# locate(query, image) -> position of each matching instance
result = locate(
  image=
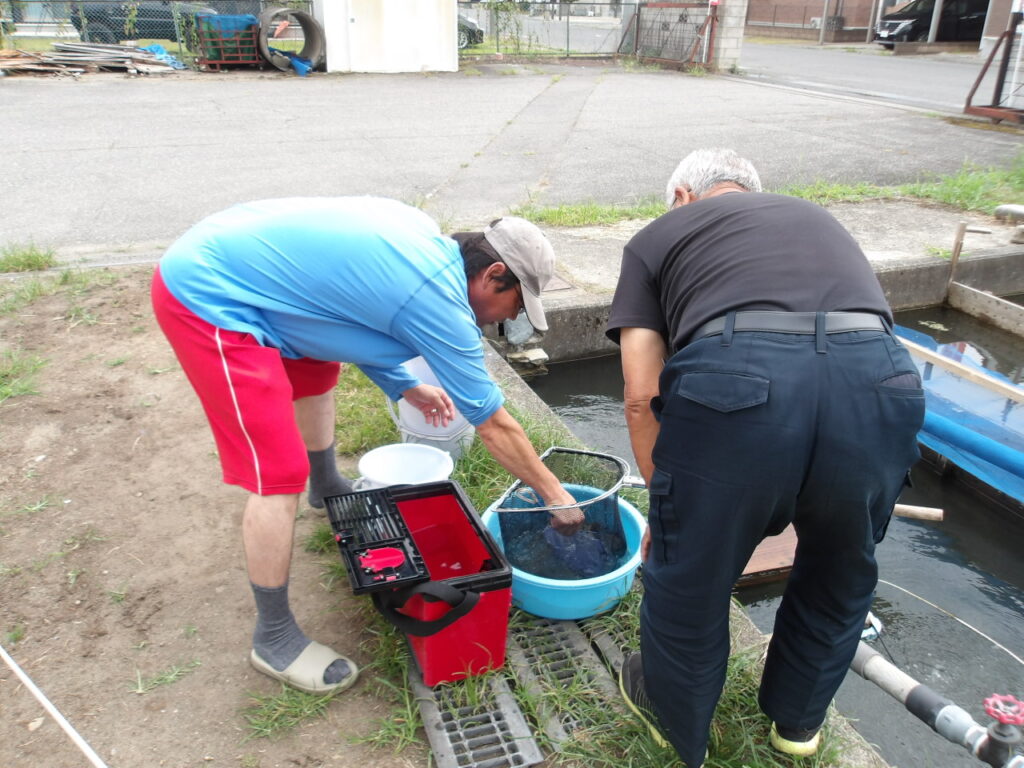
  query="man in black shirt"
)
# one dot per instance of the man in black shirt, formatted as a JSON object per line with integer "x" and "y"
{"x": 764, "y": 387}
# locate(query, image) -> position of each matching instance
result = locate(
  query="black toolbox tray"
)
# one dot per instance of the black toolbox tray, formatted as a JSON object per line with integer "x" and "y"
{"x": 376, "y": 546}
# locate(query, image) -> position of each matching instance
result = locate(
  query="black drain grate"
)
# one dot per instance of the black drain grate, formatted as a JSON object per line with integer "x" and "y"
{"x": 489, "y": 732}
{"x": 553, "y": 661}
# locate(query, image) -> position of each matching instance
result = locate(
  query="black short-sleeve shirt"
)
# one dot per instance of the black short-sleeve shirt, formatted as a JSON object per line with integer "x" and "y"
{"x": 739, "y": 251}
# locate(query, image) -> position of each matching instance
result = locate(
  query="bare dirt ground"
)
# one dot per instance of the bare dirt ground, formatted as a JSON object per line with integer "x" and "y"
{"x": 121, "y": 560}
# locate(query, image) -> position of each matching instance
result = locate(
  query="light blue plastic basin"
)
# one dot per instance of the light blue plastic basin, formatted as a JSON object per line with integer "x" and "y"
{"x": 578, "y": 598}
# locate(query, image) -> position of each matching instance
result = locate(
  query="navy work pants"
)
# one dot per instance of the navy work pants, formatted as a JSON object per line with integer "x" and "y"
{"x": 759, "y": 430}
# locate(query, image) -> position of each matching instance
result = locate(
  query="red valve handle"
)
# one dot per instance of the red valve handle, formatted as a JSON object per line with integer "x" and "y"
{"x": 1006, "y": 709}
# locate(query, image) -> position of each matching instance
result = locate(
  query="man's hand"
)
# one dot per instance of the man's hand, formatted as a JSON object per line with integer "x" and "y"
{"x": 645, "y": 544}
{"x": 567, "y": 521}
{"x": 433, "y": 402}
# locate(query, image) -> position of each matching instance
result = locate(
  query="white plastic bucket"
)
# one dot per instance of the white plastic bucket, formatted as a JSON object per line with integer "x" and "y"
{"x": 403, "y": 464}
{"x": 413, "y": 428}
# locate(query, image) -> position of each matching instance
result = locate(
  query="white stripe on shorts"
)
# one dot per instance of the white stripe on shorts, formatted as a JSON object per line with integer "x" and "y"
{"x": 238, "y": 415}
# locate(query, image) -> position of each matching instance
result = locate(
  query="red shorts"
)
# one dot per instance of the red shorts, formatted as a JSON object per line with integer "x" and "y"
{"x": 247, "y": 391}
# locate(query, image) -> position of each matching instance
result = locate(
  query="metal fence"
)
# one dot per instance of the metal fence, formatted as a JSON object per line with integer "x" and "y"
{"x": 681, "y": 33}
{"x": 113, "y": 21}
{"x": 1004, "y": 74}
{"x": 576, "y": 29}
{"x": 676, "y": 32}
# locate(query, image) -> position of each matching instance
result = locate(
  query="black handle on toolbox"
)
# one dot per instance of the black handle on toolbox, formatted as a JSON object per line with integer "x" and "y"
{"x": 461, "y": 603}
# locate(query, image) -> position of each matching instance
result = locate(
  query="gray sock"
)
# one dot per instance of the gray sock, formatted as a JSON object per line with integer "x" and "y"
{"x": 278, "y": 639}
{"x": 324, "y": 478}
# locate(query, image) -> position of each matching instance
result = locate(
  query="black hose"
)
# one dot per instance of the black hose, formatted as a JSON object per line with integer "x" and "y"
{"x": 314, "y": 41}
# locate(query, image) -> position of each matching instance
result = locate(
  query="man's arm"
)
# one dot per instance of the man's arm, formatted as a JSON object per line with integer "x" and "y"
{"x": 509, "y": 445}
{"x": 643, "y": 357}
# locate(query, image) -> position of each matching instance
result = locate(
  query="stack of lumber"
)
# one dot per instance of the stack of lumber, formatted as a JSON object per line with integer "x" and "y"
{"x": 75, "y": 58}
{"x": 25, "y": 61}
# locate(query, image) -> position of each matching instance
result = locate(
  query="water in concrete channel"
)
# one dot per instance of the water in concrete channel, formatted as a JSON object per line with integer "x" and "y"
{"x": 950, "y": 593}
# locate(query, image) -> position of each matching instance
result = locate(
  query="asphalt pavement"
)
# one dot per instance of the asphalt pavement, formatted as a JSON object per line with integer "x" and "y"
{"x": 108, "y": 167}
{"x": 937, "y": 82}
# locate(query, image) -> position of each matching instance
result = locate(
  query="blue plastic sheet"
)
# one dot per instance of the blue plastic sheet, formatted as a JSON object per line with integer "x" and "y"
{"x": 229, "y": 23}
{"x": 300, "y": 65}
{"x": 973, "y": 426}
{"x": 160, "y": 52}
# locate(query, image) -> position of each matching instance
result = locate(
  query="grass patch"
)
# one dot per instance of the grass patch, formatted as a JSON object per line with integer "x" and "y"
{"x": 972, "y": 188}
{"x": 362, "y": 418}
{"x": 320, "y": 541}
{"x": 15, "y": 295}
{"x": 15, "y": 635}
{"x": 824, "y": 193}
{"x": 170, "y": 675}
{"x": 17, "y": 371}
{"x": 30, "y": 508}
{"x": 271, "y": 716}
{"x": 591, "y": 214}
{"x": 26, "y": 258}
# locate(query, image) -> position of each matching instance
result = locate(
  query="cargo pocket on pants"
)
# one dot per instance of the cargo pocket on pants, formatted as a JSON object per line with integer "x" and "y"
{"x": 883, "y": 526}
{"x": 662, "y": 518}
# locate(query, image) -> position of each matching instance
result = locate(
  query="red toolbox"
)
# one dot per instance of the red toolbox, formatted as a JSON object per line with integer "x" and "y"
{"x": 433, "y": 571}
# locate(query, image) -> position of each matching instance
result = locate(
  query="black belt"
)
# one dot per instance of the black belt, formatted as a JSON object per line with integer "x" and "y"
{"x": 793, "y": 322}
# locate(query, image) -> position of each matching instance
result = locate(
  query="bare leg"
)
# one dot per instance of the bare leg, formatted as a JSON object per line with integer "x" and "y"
{"x": 315, "y": 417}
{"x": 267, "y": 531}
{"x": 267, "y": 537}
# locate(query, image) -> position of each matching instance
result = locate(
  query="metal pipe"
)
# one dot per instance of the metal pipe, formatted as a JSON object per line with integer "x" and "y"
{"x": 939, "y": 713}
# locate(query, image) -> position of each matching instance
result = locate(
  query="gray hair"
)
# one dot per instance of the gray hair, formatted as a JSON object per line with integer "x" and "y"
{"x": 703, "y": 169}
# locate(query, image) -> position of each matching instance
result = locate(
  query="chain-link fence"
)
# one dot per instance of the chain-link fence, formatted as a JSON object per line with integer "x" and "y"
{"x": 676, "y": 32}
{"x": 680, "y": 32}
{"x": 543, "y": 29}
{"x": 115, "y": 21}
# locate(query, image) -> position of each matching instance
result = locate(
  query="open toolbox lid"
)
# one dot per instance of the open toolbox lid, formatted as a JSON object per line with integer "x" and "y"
{"x": 375, "y": 543}
{"x": 403, "y": 535}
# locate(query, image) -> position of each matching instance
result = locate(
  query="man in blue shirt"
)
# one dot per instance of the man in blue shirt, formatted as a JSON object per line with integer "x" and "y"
{"x": 261, "y": 303}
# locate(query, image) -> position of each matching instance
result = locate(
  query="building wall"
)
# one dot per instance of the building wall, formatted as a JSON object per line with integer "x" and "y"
{"x": 840, "y": 14}
{"x": 389, "y": 35}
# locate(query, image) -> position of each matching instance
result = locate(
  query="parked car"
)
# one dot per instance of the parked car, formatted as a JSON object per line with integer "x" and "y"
{"x": 470, "y": 33}
{"x": 960, "y": 20}
{"x": 112, "y": 22}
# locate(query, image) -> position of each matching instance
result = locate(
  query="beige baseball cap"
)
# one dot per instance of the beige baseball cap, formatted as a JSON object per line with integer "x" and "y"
{"x": 527, "y": 252}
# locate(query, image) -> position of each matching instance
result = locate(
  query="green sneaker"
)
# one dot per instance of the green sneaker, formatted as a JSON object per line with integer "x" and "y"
{"x": 796, "y": 741}
{"x": 631, "y": 685}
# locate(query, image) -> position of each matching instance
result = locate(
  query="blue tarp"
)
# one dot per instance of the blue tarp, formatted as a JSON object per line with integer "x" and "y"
{"x": 299, "y": 64}
{"x": 164, "y": 56}
{"x": 228, "y": 23}
{"x": 976, "y": 428}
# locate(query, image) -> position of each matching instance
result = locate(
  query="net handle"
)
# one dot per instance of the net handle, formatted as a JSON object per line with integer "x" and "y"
{"x": 623, "y": 471}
